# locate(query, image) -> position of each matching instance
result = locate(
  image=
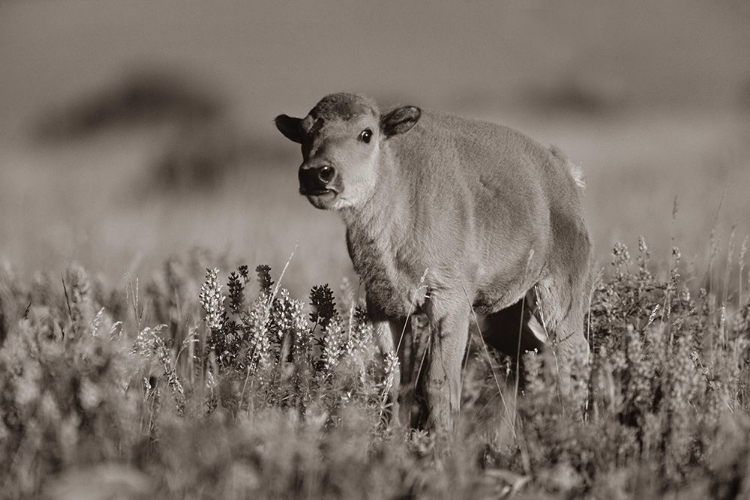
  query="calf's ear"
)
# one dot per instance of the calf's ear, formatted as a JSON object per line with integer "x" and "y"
{"x": 400, "y": 120}
{"x": 289, "y": 126}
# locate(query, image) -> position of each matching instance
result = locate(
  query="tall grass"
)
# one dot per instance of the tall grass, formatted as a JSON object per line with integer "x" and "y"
{"x": 191, "y": 389}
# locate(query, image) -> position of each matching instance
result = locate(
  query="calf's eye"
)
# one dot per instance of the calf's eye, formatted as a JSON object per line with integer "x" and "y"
{"x": 365, "y": 136}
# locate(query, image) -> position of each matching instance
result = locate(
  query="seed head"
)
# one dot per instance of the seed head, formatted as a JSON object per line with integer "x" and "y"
{"x": 212, "y": 300}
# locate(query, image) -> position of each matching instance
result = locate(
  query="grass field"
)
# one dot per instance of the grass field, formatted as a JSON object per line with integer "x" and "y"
{"x": 126, "y": 378}
{"x": 177, "y": 388}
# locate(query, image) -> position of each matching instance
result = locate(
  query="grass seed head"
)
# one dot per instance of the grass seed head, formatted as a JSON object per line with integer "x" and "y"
{"x": 212, "y": 300}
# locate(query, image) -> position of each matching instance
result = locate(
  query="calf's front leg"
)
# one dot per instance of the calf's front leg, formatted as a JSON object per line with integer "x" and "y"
{"x": 449, "y": 325}
{"x": 388, "y": 335}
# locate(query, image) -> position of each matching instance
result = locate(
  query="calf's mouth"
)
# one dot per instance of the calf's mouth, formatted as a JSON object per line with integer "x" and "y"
{"x": 320, "y": 198}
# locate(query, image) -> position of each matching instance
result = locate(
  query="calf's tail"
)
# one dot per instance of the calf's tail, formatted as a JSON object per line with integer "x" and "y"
{"x": 575, "y": 170}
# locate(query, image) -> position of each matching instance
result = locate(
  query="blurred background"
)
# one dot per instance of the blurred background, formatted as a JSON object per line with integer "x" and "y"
{"x": 132, "y": 131}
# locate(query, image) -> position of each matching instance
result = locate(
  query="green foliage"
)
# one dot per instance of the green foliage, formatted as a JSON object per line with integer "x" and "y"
{"x": 194, "y": 390}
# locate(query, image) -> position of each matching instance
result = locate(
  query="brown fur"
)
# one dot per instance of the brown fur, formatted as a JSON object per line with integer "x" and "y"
{"x": 487, "y": 212}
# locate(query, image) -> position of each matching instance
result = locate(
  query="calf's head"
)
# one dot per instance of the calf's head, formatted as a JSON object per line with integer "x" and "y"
{"x": 342, "y": 139}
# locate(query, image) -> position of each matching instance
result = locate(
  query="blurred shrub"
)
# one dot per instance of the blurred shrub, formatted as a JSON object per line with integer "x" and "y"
{"x": 743, "y": 97}
{"x": 202, "y": 155}
{"x": 64, "y": 398}
{"x": 143, "y": 97}
{"x": 202, "y": 146}
{"x": 579, "y": 94}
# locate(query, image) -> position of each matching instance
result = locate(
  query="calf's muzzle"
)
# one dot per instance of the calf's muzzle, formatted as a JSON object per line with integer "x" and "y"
{"x": 313, "y": 180}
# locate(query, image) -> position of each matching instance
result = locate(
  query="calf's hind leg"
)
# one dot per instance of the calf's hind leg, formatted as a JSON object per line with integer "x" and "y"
{"x": 563, "y": 301}
{"x": 563, "y": 293}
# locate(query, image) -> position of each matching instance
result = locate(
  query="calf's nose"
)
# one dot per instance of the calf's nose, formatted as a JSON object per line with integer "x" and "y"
{"x": 316, "y": 179}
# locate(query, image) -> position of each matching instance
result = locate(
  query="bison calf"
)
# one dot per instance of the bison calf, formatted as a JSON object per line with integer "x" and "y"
{"x": 487, "y": 212}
